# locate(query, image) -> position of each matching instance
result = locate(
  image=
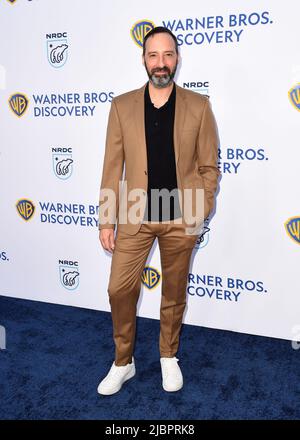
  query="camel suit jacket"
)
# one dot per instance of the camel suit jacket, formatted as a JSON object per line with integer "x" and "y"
{"x": 196, "y": 156}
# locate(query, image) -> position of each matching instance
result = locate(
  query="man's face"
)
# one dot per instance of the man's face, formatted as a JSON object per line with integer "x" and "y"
{"x": 160, "y": 59}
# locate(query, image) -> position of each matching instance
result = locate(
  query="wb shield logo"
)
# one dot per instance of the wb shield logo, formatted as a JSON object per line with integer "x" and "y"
{"x": 292, "y": 227}
{"x": 18, "y": 103}
{"x": 140, "y": 29}
{"x": 57, "y": 52}
{"x": 69, "y": 277}
{"x": 25, "y": 209}
{"x": 62, "y": 165}
{"x": 150, "y": 277}
{"x": 294, "y": 95}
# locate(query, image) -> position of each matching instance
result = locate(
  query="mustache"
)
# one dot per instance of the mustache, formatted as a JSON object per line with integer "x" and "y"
{"x": 163, "y": 69}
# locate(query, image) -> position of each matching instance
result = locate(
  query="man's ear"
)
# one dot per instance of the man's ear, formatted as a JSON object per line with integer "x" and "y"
{"x": 143, "y": 60}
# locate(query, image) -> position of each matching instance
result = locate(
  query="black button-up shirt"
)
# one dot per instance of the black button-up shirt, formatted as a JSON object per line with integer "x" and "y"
{"x": 159, "y": 125}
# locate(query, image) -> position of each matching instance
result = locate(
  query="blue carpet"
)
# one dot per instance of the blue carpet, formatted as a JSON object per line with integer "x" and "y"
{"x": 55, "y": 357}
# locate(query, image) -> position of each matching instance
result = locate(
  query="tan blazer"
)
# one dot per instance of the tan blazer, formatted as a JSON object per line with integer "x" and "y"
{"x": 195, "y": 146}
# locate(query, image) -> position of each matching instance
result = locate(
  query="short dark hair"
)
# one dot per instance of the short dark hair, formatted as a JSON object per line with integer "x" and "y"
{"x": 159, "y": 30}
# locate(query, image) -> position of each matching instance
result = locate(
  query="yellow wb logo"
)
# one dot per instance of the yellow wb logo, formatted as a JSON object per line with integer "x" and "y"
{"x": 150, "y": 277}
{"x": 25, "y": 208}
{"x": 294, "y": 95}
{"x": 18, "y": 103}
{"x": 139, "y": 31}
{"x": 292, "y": 227}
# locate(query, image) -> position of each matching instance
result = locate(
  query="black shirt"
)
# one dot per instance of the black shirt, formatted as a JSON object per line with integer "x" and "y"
{"x": 159, "y": 125}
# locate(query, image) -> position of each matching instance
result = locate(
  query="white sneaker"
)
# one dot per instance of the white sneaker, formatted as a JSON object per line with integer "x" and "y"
{"x": 115, "y": 378}
{"x": 171, "y": 374}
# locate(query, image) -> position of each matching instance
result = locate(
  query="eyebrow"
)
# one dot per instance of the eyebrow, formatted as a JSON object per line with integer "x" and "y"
{"x": 165, "y": 51}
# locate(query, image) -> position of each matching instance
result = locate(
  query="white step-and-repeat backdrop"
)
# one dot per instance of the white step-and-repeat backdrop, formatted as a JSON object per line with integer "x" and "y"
{"x": 62, "y": 61}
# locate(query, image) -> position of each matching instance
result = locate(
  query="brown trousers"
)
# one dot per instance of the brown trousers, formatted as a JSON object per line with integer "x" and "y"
{"x": 128, "y": 262}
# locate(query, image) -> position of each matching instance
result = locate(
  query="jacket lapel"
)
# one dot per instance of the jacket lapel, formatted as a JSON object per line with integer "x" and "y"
{"x": 180, "y": 111}
{"x": 139, "y": 118}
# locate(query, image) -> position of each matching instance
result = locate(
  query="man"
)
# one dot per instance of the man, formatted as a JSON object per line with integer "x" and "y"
{"x": 167, "y": 138}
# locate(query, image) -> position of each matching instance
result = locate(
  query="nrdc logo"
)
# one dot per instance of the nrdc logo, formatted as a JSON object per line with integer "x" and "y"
{"x": 292, "y": 227}
{"x": 25, "y": 208}
{"x": 201, "y": 87}
{"x": 69, "y": 274}
{"x": 57, "y": 49}
{"x": 150, "y": 277}
{"x": 139, "y": 31}
{"x": 294, "y": 95}
{"x": 18, "y": 103}
{"x": 62, "y": 162}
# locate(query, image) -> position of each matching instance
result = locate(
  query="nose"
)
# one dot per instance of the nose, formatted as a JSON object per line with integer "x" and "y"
{"x": 160, "y": 62}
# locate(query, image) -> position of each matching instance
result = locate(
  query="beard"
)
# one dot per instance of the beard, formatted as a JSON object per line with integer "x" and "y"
{"x": 162, "y": 80}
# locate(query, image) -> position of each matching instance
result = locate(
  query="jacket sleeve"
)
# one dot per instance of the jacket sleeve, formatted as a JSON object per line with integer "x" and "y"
{"x": 207, "y": 156}
{"x": 112, "y": 171}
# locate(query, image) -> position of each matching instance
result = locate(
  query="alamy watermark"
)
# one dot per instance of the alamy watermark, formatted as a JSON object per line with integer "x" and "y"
{"x": 130, "y": 206}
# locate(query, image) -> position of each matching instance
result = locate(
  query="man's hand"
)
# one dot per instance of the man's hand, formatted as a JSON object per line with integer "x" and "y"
{"x": 107, "y": 239}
